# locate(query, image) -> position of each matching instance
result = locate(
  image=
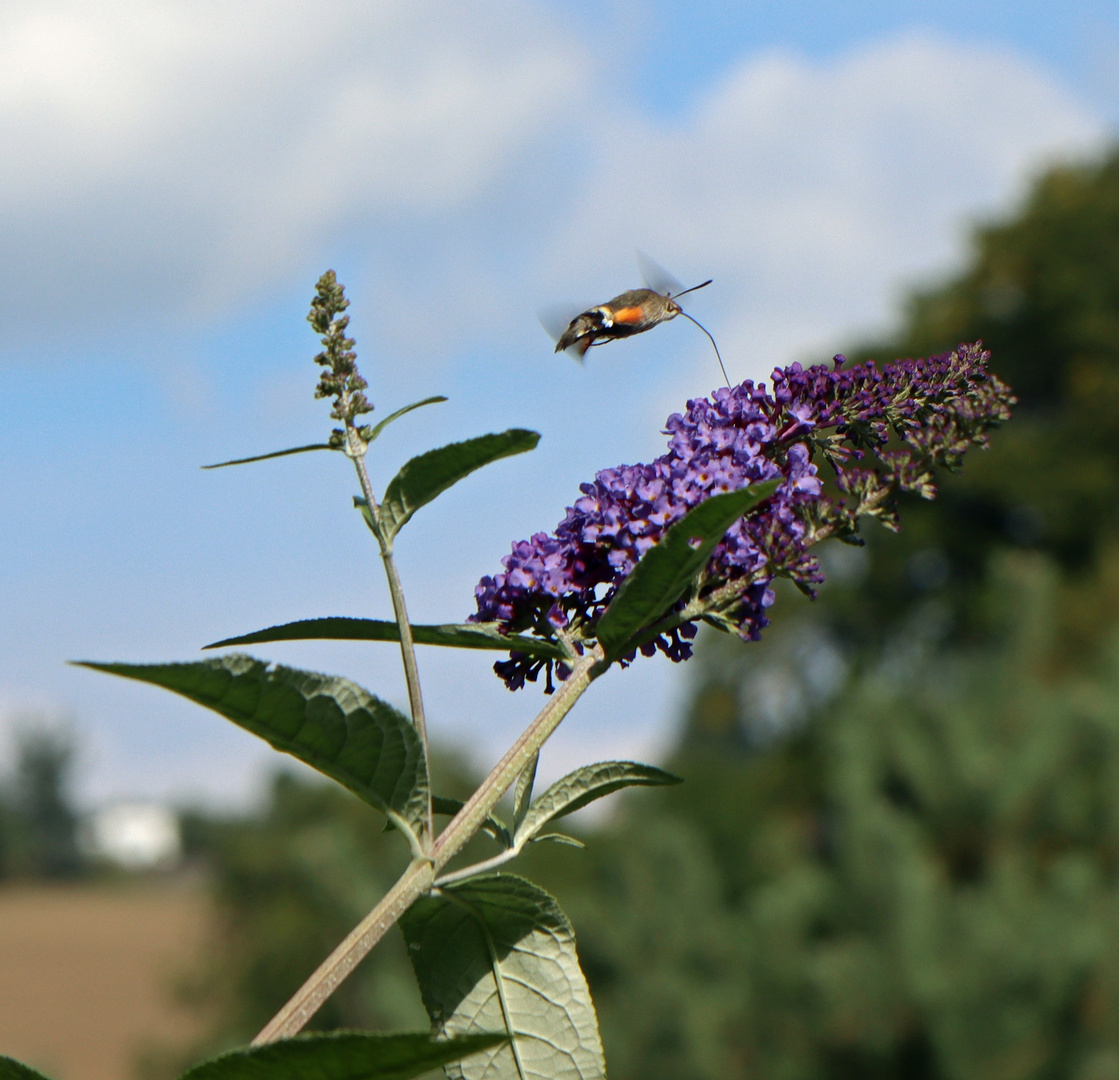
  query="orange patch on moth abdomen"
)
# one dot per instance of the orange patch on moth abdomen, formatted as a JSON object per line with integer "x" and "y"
{"x": 629, "y": 315}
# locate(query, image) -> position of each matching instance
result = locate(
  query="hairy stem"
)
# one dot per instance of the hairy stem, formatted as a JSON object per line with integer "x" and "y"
{"x": 290, "y": 1020}
{"x": 477, "y": 868}
{"x": 357, "y": 448}
{"x": 418, "y": 878}
{"x": 478, "y": 807}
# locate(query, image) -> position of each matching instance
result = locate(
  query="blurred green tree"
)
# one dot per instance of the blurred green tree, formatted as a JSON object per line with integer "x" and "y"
{"x": 288, "y": 883}
{"x": 920, "y": 882}
{"x": 38, "y": 822}
{"x": 1042, "y": 292}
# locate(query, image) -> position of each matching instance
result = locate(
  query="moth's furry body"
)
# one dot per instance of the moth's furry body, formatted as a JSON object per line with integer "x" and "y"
{"x": 630, "y": 313}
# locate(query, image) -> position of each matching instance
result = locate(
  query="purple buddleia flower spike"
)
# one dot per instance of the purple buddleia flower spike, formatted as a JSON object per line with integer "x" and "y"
{"x": 897, "y": 423}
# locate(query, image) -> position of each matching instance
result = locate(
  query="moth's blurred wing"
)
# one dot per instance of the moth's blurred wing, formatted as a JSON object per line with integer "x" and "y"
{"x": 556, "y": 319}
{"x": 657, "y": 277}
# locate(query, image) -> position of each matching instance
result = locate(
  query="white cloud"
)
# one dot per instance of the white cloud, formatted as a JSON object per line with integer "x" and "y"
{"x": 808, "y": 190}
{"x": 176, "y": 157}
{"x": 164, "y": 145}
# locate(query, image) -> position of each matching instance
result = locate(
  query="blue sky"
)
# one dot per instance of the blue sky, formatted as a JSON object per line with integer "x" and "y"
{"x": 178, "y": 176}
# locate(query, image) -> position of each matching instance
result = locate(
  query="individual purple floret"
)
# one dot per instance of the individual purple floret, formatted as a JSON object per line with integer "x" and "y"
{"x": 897, "y": 422}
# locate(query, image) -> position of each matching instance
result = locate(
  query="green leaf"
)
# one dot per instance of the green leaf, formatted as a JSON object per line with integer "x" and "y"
{"x": 329, "y": 723}
{"x": 373, "y": 433}
{"x": 430, "y": 474}
{"x": 275, "y": 453}
{"x": 366, "y": 514}
{"x": 558, "y": 838}
{"x": 492, "y": 826}
{"x": 378, "y": 428}
{"x": 583, "y": 786}
{"x": 343, "y": 1055}
{"x": 669, "y": 567}
{"x": 455, "y": 635}
{"x": 496, "y": 952}
{"x": 10, "y": 1069}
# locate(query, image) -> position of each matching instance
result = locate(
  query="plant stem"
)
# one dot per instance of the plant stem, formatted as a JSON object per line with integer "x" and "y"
{"x": 290, "y": 1020}
{"x": 407, "y": 645}
{"x": 477, "y": 868}
{"x": 417, "y": 879}
{"x": 478, "y": 807}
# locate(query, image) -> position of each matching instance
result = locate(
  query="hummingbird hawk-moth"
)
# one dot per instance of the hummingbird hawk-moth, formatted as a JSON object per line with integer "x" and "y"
{"x": 630, "y": 313}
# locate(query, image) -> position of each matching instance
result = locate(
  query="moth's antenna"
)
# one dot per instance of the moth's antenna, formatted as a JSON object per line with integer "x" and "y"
{"x": 709, "y": 337}
{"x": 673, "y": 296}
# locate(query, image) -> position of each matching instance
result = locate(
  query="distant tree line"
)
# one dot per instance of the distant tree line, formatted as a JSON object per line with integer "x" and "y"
{"x": 38, "y": 822}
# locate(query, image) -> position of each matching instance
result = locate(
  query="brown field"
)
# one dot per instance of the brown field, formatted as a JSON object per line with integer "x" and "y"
{"x": 86, "y": 970}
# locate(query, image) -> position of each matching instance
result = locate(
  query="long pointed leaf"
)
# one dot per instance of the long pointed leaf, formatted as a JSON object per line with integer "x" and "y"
{"x": 275, "y": 453}
{"x": 492, "y": 826}
{"x": 10, "y": 1069}
{"x": 497, "y": 953}
{"x": 669, "y": 567}
{"x": 329, "y": 723}
{"x": 430, "y": 474}
{"x": 583, "y": 786}
{"x": 454, "y": 635}
{"x": 378, "y": 428}
{"x": 362, "y": 506}
{"x": 343, "y": 1055}
{"x": 558, "y": 838}
{"x": 374, "y": 432}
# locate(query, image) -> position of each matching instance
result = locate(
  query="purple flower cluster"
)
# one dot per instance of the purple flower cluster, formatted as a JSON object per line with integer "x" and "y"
{"x": 897, "y": 422}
